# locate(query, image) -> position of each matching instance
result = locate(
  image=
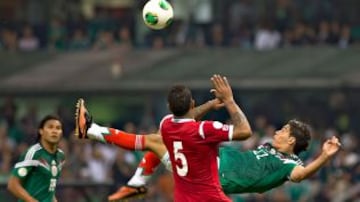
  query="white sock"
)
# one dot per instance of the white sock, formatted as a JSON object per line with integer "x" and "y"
{"x": 96, "y": 132}
{"x": 166, "y": 161}
{"x": 138, "y": 179}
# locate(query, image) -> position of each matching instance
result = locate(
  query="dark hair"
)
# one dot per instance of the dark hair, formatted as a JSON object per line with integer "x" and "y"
{"x": 43, "y": 122}
{"x": 301, "y": 132}
{"x": 179, "y": 100}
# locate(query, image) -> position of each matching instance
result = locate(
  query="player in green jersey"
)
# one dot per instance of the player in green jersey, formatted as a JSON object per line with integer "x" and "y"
{"x": 35, "y": 176}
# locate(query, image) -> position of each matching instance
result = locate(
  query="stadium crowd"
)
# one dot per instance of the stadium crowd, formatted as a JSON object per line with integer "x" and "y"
{"x": 88, "y": 162}
{"x": 260, "y": 25}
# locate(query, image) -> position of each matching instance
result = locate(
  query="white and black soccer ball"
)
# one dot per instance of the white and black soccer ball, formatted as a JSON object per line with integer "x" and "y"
{"x": 158, "y": 14}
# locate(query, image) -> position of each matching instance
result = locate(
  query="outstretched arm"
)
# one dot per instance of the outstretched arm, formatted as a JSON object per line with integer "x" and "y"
{"x": 223, "y": 92}
{"x": 330, "y": 147}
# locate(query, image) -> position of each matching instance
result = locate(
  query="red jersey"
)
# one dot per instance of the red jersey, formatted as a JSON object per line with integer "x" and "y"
{"x": 193, "y": 150}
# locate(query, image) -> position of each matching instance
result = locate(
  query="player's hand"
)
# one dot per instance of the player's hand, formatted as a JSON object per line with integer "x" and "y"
{"x": 331, "y": 146}
{"x": 217, "y": 104}
{"x": 222, "y": 89}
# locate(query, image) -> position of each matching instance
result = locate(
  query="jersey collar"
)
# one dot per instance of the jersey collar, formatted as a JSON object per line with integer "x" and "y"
{"x": 182, "y": 120}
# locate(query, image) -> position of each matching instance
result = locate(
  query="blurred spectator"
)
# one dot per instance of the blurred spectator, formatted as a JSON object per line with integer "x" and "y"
{"x": 324, "y": 32}
{"x": 123, "y": 168}
{"x": 334, "y": 32}
{"x": 266, "y": 38}
{"x": 79, "y": 40}
{"x": 96, "y": 166}
{"x": 241, "y": 13}
{"x": 279, "y": 195}
{"x": 303, "y": 35}
{"x": 284, "y": 14}
{"x": 165, "y": 184}
{"x": 9, "y": 113}
{"x": 77, "y": 161}
{"x": 9, "y": 39}
{"x": 202, "y": 19}
{"x": 130, "y": 127}
{"x": 300, "y": 192}
{"x": 217, "y": 36}
{"x": 242, "y": 38}
{"x": 57, "y": 35}
{"x": 158, "y": 43}
{"x": 105, "y": 40}
{"x": 67, "y": 118}
{"x": 345, "y": 36}
{"x": 6, "y": 148}
{"x": 28, "y": 41}
{"x": 124, "y": 38}
{"x": 288, "y": 38}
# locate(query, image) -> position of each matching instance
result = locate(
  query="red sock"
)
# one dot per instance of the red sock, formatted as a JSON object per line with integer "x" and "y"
{"x": 125, "y": 140}
{"x": 149, "y": 163}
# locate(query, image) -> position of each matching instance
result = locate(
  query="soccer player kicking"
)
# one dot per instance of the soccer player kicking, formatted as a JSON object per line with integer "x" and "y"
{"x": 258, "y": 170}
{"x": 35, "y": 176}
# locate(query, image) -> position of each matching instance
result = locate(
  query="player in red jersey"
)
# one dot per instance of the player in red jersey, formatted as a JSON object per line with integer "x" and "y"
{"x": 193, "y": 145}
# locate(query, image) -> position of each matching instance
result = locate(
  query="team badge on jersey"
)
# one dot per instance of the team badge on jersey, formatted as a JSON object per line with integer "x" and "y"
{"x": 54, "y": 169}
{"x": 217, "y": 125}
{"x": 22, "y": 172}
{"x": 272, "y": 151}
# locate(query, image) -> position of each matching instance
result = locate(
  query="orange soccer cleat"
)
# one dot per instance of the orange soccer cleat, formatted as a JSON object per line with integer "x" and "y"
{"x": 127, "y": 192}
{"x": 83, "y": 119}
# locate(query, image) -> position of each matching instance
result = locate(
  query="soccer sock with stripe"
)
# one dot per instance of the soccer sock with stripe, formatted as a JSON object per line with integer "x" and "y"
{"x": 145, "y": 169}
{"x": 120, "y": 138}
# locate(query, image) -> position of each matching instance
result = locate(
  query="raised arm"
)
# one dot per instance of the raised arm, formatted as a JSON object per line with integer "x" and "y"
{"x": 223, "y": 92}
{"x": 15, "y": 187}
{"x": 203, "y": 109}
{"x": 330, "y": 147}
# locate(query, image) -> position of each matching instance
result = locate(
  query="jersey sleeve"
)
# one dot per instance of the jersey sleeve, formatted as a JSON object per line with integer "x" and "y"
{"x": 25, "y": 165}
{"x": 288, "y": 166}
{"x": 215, "y": 131}
{"x": 169, "y": 116}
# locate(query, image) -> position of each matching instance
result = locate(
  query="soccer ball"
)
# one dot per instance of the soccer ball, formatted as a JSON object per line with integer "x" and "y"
{"x": 158, "y": 14}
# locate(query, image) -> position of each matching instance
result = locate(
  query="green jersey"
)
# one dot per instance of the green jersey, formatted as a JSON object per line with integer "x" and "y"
{"x": 39, "y": 171}
{"x": 256, "y": 170}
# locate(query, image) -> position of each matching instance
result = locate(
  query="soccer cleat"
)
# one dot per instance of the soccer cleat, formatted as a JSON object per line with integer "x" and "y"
{"x": 127, "y": 192}
{"x": 83, "y": 119}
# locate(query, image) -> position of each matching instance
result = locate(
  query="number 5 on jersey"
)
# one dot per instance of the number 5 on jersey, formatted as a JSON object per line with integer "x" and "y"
{"x": 183, "y": 170}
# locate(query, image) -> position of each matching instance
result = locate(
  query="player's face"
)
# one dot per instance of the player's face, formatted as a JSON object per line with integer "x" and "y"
{"x": 282, "y": 138}
{"x": 51, "y": 132}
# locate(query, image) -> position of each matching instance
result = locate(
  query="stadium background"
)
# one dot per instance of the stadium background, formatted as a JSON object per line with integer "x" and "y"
{"x": 285, "y": 59}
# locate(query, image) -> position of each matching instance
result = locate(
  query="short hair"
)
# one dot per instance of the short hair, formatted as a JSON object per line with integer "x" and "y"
{"x": 179, "y": 100}
{"x": 301, "y": 132}
{"x": 43, "y": 122}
